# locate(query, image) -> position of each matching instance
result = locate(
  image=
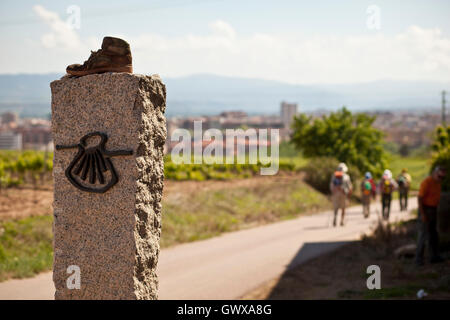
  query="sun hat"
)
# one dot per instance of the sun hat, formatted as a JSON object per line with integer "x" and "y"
{"x": 342, "y": 167}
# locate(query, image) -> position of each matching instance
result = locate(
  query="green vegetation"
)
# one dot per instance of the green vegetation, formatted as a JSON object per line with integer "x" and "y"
{"x": 292, "y": 164}
{"x": 393, "y": 292}
{"x": 441, "y": 155}
{"x": 442, "y": 158}
{"x": 441, "y": 139}
{"x": 201, "y": 172}
{"x": 418, "y": 168}
{"x": 406, "y": 291}
{"x": 345, "y": 136}
{"x": 25, "y": 246}
{"x": 188, "y": 217}
{"x": 288, "y": 150}
{"x": 17, "y": 167}
{"x": 319, "y": 171}
{"x": 32, "y": 167}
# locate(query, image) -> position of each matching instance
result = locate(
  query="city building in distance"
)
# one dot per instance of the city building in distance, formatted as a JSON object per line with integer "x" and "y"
{"x": 25, "y": 134}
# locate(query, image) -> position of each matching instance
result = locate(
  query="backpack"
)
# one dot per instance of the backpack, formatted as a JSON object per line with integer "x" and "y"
{"x": 401, "y": 181}
{"x": 386, "y": 186}
{"x": 338, "y": 179}
{"x": 367, "y": 187}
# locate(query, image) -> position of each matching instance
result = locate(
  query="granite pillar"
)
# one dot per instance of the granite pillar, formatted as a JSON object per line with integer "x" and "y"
{"x": 109, "y": 131}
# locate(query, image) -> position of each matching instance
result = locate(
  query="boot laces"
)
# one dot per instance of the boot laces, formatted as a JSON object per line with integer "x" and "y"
{"x": 91, "y": 58}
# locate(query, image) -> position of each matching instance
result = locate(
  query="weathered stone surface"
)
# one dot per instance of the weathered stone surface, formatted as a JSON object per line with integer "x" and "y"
{"x": 113, "y": 236}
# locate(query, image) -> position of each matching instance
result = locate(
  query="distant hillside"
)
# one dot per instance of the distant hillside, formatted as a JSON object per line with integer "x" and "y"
{"x": 210, "y": 94}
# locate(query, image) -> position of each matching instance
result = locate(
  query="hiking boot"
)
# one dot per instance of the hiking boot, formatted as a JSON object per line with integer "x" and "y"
{"x": 114, "y": 56}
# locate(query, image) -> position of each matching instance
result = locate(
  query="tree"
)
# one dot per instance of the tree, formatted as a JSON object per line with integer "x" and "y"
{"x": 441, "y": 139}
{"x": 441, "y": 154}
{"x": 442, "y": 159}
{"x": 348, "y": 137}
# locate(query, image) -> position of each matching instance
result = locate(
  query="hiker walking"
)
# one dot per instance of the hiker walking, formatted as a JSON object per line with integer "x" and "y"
{"x": 429, "y": 196}
{"x": 341, "y": 188}
{"x": 386, "y": 186}
{"x": 368, "y": 191}
{"x": 403, "y": 181}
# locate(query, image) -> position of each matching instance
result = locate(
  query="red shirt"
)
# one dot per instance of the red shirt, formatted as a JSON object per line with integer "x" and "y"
{"x": 430, "y": 191}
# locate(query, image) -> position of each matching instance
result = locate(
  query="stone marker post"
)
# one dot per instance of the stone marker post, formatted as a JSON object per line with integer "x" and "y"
{"x": 109, "y": 131}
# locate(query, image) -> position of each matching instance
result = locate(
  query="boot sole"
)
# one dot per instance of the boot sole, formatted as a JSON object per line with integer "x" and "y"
{"x": 128, "y": 69}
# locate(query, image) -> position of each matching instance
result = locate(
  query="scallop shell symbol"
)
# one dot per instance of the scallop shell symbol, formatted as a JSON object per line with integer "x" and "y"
{"x": 92, "y": 164}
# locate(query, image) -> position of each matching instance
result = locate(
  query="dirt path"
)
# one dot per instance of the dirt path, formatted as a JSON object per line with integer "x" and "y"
{"x": 19, "y": 203}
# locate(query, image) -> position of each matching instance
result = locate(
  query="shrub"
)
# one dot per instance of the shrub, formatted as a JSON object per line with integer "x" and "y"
{"x": 195, "y": 175}
{"x": 349, "y": 137}
{"x": 442, "y": 158}
{"x": 319, "y": 170}
{"x": 441, "y": 139}
{"x": 286, "y": 166}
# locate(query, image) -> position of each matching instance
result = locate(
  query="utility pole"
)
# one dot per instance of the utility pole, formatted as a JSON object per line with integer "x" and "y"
{"x": 444, "y": 123}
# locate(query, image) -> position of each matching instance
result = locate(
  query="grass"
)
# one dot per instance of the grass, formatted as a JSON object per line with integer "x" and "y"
{"x": 298, "y": 162}
{"x": 209, "y": 213}
{"x": 395, "y": 292}
{"x": 204, "y": 171}
{"x": 25, "y": 246}
{"x": 392, "y": 292}
{"x": 418, "y": 168}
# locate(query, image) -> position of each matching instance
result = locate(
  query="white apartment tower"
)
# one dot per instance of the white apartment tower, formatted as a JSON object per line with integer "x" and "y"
{"x": 288, "y": 111}
{"x": 10, "y": 140}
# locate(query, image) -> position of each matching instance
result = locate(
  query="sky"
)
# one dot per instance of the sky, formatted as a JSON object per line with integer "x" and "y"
{"x": 299, "y": 42}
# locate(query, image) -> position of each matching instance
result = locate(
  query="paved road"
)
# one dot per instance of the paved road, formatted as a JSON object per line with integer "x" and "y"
{"x": 228, "y": 266}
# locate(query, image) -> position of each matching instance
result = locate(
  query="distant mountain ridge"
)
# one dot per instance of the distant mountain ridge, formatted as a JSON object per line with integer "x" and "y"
{"x": 207, "y": 94}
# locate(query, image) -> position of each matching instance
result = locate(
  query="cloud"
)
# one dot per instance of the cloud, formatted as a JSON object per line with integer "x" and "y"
{"x": 61, "y": 35}
{"x": 223, "y": 28}
{"x": 414, "y": 54}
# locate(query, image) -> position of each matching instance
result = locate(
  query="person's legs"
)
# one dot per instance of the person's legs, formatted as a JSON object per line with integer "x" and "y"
{"x": 364, "y": 204}
{"x": 336, "y": 207}
{"x": 343, "y": 204}
{"x": 389, "y": 198}
{"x": 384, "y": 203}
{"x": 365, "y": 210}
{"x": 401, "y": 196}
{"x": 366, "y": 201}
{"x": 343, "y": 215}
{"x": 433, "y": 236}
{"x": 406, "y": 198}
